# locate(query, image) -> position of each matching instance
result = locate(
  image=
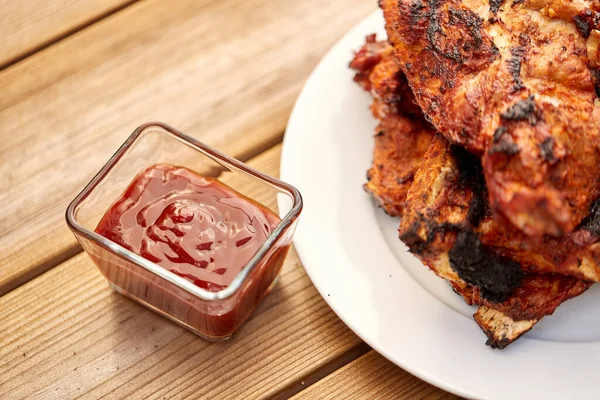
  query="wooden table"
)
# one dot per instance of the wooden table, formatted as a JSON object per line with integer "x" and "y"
{"x": 76, "y": 77}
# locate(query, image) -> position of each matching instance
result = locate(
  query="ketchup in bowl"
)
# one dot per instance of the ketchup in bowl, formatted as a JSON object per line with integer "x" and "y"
{"x": 185, "y": 246}
{"x": 194, "y": 226}
{"x": 199, "y": 229}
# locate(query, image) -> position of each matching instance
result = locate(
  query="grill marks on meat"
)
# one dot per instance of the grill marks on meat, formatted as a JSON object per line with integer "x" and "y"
{"x": 453, "y": 33}
{"x": 596, "y": 77}
{"x": 449, "y": 45}
{"x": 528, "y": 72}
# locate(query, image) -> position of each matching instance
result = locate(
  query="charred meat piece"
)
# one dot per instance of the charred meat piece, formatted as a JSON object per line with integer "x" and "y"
{"x": 447, "y": 224}
{"x": 515, "y": 83}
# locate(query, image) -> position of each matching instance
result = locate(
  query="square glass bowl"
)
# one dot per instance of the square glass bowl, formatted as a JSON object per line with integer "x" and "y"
{"x": 212, "y": 315}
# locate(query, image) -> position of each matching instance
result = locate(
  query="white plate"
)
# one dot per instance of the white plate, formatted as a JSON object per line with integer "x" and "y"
{"x": 351, "y": 253}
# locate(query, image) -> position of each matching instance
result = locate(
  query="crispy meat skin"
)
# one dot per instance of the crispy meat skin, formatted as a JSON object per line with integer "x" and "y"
{"x": 402, "y": 135}
{"x": 399, "y": 145}
{"x": 443, "y": 203}
{"x": 515, "y": 85}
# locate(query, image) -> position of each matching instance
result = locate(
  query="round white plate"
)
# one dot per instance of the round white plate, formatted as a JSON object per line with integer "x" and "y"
{"x": 351, "y": 252}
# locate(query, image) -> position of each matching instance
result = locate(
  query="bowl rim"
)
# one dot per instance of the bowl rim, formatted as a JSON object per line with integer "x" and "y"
{"x": 229, "y": 162}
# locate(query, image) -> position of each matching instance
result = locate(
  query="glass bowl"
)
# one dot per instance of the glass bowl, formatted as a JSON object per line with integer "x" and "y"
{"x": 212, "y": 315}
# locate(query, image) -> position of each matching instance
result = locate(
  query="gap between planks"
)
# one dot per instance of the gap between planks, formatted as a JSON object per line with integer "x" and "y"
{"x": 63, "y": 35}
{"x": 74, "y": 250}
{"x": 323, "y": 372}
{"x": 371, "y": 376}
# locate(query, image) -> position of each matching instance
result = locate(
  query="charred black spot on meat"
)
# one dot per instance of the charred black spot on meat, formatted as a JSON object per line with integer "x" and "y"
{"x": 514, "y": 65}
{"x": 583, "y": 25}
{"x": 419, "y": 246}
{"x": 495, "y": 6}
{"x": 497, "y": 344}
{"x": 496, "y": 277}
{"x": 411, "y": 238}
{"x": 596, "y": 78}
{"x": 592, "y": 222}
{"x": 471, "y": 177}
{"x": 585, "y": 21}
{"x": 522, "y": 110}
{"x": 478, "y": 209}
{"x": 547, "y": 149}
{"x": 414, "y": 241}
{"x": 505, "y": 146}
{"x": 501, "y": 130}
{"x": 468, "y": 166}
{"x": 380, "y": 133}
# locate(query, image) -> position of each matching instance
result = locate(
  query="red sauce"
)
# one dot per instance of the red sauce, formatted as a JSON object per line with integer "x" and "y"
{"x": 196, "y": 227}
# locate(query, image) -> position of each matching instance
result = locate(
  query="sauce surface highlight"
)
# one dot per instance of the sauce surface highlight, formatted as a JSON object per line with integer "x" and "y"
{"x": 196, "y": 227}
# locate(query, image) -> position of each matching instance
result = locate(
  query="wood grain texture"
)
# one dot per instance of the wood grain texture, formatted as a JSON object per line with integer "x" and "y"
{"x": 27, "y": 25}
{"x": 66, "y": 334}
{"x": 372, "y": 377}
{"x": 226, "y": 72}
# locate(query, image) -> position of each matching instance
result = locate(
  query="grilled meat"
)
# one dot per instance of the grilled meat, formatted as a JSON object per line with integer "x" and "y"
{"x": 515, "y": 83}
{"x": 447, "y": 224}
{"x": 402, "y": 135}
{"x": 399, "y": 146}
{"x": 447, "y": 220}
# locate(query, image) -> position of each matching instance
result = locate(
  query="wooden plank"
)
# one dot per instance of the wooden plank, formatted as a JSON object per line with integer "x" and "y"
{"x": 28, "y": 25}
{"x": 66, "y": 334}
{"x": 226, "y": 72}
{"x": 372, "y": 377}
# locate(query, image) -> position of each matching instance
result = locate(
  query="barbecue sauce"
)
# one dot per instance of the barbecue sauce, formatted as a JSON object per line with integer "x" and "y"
{"x": 193, "y": 226}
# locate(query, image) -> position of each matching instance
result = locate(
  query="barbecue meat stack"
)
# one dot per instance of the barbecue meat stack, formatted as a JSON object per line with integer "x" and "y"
{"x": 488, "y": 148}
